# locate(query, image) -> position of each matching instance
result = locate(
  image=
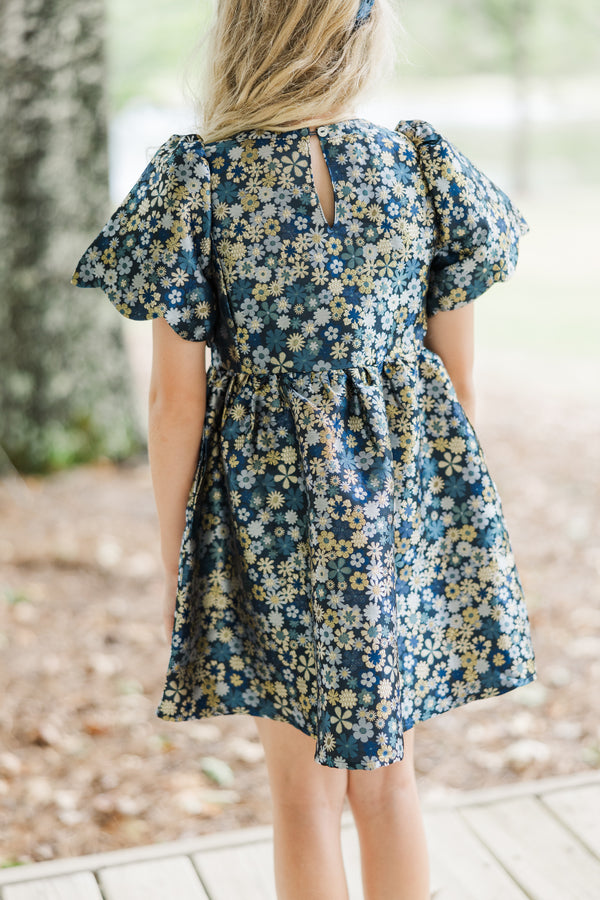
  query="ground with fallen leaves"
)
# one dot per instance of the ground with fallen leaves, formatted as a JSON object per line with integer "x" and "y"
{"x": 86, "y": 766}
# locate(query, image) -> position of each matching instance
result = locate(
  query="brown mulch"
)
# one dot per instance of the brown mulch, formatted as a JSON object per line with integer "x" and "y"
{"x": 86, "y": 766}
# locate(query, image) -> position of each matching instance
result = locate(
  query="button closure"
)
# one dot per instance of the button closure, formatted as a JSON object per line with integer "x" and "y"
{"x": 322, "y": 129}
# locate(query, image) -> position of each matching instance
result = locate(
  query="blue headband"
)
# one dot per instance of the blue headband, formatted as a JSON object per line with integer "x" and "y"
{"x": 364, "y": 11}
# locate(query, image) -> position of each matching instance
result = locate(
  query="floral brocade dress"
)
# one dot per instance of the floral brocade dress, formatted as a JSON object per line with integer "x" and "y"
{"x": 345, "y": 565}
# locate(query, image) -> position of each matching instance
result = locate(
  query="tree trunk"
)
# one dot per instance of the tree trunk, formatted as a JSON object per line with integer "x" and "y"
{"x": 65, "y": 386}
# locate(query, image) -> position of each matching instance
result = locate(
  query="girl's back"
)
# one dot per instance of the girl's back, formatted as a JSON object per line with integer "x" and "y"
{"x": 246, "y": 257}
{"x": 341, "y": 504}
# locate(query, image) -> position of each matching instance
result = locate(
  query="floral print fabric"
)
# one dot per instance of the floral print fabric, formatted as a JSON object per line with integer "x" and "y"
{"x": 345, "y": 564}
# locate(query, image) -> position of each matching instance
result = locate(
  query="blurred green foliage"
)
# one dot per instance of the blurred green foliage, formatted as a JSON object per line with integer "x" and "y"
{"x": 456, "y": 37}
{"x": 151, "y": 43}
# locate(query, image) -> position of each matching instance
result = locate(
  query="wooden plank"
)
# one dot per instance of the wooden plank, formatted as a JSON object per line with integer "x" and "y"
{"x": 462, "y": 868}
{"x": 514, "y": 789}
{"x": 543, "y": 857}
{"x": 156, "y": 879}
{"x": 245, "y": 871}
{"x": 248, "y": 871}
{"x": 81, "y": 886}
{"x": 93, "y": 861}
{"x": 573, "y": 799}
{"x": 351, "y": 855}
{"x": 579, "y": 809}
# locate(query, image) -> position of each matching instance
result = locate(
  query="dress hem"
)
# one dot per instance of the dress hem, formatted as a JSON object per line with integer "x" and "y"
{"x": 423, "y": 716}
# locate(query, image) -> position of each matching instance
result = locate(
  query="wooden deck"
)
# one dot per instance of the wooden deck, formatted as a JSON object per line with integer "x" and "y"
{"x": 536, "y": 840}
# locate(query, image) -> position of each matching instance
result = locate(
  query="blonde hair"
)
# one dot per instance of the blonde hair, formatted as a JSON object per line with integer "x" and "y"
{"x": 276, "y": 63}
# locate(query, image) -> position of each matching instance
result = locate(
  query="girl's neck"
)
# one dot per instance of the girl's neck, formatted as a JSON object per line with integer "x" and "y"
{"x": 326, "y": 119}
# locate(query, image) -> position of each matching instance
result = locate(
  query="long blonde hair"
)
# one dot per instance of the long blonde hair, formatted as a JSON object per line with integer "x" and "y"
{"x": 276, "y": 63}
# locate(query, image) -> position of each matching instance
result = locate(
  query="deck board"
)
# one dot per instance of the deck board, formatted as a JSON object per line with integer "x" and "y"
{"x": 351, "y": 854}
{"x": 156, "y": 879}
{"x": 244, "y": 871}
{"x": 579, "y": 809}
{"x": 543, "y": 857}
{"x": 80, "y": 886}
{"x": 537, "y": 840}
{"x": 462, "y": 868}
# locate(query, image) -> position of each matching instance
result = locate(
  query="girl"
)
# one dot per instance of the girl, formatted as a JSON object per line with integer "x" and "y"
{"x": 337, "y": 564}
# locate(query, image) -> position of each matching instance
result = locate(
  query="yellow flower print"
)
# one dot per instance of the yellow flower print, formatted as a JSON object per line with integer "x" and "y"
{"x": 471, "y": 616}
{"x": 249, "y": 202}
{"x": 294, "y": 164}
{"x": 286, "y": 474}
{"x": 272, "y": 226}
{"x": 457, "y": 444}
{"x": 202, "y": 309}
{"x": 338, "y": 350}
{"x": 281, "y": 363}
{"x": 295, "y": 342}
{"x": 304, "y": 666}
{"x": 451, "y": 463}
{"x": 168, "y": 708}
{"x": 341, "y": 719}
{"x": 266, "y": 566}
{"x": 359, "y": 581}
{"x": 468, "y": 533}
{"x": 456, "y": 296}
{"x": 355, "y": 519}
{"x": 384, "y": 709}
{"x": 385, "y": 753}
{"x": 330, "y": 618}
{"x": 180, "y": 278}
{"x": 468, "y": 659}
{"x": 345, "y": 640}
{"x": 345, "y": 548}
{"x": 436, "y": 484}
{"x": 348, "y": 699}
{"x": 365, "y": 285}
{"x": 337, "y": 308}
{"x": 327, "y": 541}
{"x": 329, "y": 742}
{"x": 300, "y": 269}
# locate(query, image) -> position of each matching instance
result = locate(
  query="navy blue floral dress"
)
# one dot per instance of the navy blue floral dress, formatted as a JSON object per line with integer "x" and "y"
{"x": 345, "y": 565}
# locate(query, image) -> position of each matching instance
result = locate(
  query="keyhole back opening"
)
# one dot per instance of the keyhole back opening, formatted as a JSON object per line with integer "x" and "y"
{"x": 322, "y": 179}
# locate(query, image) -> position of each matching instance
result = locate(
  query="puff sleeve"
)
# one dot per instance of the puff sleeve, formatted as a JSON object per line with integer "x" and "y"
{"x": 477, "y": 228}
{"x": 152, "y": 258}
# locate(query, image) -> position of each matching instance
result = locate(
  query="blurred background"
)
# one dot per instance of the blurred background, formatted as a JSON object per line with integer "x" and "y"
{"x": 90, "y": 89}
